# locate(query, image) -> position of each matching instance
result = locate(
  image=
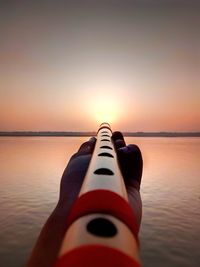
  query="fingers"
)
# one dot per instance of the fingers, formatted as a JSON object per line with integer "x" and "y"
{"x": 130, "y": 160}
{"x": 118, "y": 140}
{"x": 131, "y": 164}
{"x": 87, "y": 147}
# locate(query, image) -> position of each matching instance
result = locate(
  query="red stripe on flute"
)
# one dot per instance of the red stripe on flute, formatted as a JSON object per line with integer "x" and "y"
{"x": 104, "y": 127}
{"x": 106, "y": 202}
{"x": 96, "y": 256}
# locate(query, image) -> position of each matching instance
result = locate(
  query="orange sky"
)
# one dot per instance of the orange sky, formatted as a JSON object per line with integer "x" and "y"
{"x": 68, "y": 67}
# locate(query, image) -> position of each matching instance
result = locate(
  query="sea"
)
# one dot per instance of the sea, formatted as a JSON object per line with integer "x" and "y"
{"x": 30, "y": 172}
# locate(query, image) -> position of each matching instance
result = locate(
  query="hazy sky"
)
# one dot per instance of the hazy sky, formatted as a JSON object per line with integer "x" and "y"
{"x": 68, "y": 65}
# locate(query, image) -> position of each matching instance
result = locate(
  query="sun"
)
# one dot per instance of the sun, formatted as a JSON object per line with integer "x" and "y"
{"x": 105, "y": 110}
{"x": 105, "y": 113}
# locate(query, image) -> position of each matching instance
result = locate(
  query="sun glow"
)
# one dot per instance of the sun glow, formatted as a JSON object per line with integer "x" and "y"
{"x": 105, "y": 110}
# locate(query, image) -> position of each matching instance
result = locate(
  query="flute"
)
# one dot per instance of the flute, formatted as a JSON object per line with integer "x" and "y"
{"x": 101, "y": 227}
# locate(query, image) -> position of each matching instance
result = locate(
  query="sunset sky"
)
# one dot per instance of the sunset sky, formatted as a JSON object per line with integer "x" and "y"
{"x": 69, "y": 65}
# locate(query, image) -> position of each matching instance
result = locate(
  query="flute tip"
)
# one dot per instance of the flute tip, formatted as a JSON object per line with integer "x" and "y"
{"x": 105, "y": 124}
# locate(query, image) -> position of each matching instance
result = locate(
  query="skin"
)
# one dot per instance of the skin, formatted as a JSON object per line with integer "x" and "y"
{"x": 46, "y": 249}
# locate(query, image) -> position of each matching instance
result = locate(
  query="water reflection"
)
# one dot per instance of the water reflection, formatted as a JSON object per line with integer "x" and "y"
{"x": 171, "y": 201}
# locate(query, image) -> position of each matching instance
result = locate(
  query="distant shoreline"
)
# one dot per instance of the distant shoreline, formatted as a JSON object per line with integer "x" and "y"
{"x": 79, "y": 134}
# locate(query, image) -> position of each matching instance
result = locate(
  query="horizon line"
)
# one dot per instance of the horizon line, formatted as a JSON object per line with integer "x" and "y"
{"x": 89, "y": 133}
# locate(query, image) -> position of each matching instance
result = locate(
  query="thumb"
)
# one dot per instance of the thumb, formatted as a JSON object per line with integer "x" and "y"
{"x": 87, "y": 147}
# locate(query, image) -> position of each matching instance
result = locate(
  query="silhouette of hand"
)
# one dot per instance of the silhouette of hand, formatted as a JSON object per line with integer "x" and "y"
{"x": 49, "y": 241}
{"x": 130, "y": 161}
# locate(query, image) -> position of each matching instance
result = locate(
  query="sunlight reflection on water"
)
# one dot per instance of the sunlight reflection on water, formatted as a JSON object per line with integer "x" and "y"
{"x": 30, "y": 175}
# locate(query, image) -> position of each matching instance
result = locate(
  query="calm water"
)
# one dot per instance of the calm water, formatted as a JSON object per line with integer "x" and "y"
{"x": 30, "y": 171}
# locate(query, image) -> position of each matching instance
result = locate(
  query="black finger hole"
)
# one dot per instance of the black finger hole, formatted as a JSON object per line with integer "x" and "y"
{"x": 106, "y": 147}
{"x": 102, "y": 227}
{"x": 105, "y": 140}
{"x": 106, "y": 135}
{"x": 103, "y": 171}
{"x": 105, "y": 155}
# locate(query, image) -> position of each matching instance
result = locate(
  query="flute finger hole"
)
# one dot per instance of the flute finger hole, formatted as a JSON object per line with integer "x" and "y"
{"x": 106, "y": 135}
{"x": 102, "y": 227}
{"x": 103, "y": 171}
{"x": 105, "y": 155}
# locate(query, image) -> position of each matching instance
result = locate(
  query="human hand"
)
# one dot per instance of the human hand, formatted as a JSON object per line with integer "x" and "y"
{"x": 130, "y": 162}
{"x": 47, "y": 247}
{"x": 74, "y": 174}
